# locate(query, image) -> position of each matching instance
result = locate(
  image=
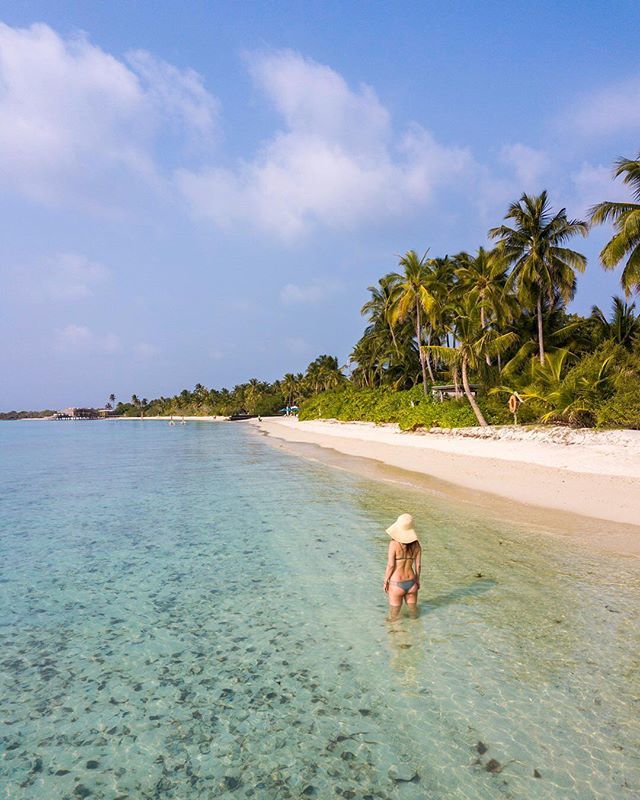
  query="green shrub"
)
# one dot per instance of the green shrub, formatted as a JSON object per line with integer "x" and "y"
{"x": 586, "y": 395}
{"x": 410, "y": 409}
{"x": 622, "y": 409}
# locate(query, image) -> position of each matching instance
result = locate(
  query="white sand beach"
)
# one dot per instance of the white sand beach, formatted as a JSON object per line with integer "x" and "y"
{"x": 585, "y": 472}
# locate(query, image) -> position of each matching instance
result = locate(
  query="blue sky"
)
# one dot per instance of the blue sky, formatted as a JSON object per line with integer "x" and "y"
{"x": 202, "y": 191}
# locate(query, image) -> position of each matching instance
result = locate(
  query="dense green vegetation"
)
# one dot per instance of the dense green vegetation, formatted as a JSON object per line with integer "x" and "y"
{"x": 600, "y": 389}
{"x": 409, "y": 408}
{"x": 491, "y": 325}
{"x": 498, "y": 318}
{"x": 254, "y": 397}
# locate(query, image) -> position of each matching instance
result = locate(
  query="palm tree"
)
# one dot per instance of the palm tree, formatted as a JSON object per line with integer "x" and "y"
{"x": 372, "y": 355}
{"x": 474, "y": 344}
{"x": 542, "y": 267}
{"x": 112, "y": 400}
{"x": 623, "y": 326}
{"x": 484, "y": 277}
{"x": 626, "y": 223}
{"x": 289, "y": 386}
{"x": 380, "y": 307}
{"x": 252, "y": 394}
{"x": 323, "y": 373}
{"x": 443, "y": 282}
{"x": 415, "y": 299}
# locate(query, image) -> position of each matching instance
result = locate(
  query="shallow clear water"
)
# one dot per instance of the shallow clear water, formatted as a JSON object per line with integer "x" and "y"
{"x": 187, "y": 612}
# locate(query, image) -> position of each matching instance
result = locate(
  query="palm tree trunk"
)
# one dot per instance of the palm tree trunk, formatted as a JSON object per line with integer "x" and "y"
{"x": 393, "y": 337}
{"x": 540, "y": 333}
{"x": 456, "y": 381}
{"x": 420, "y": 351}
{"x": 472, "y": 400}
{"x": 483, "y": 323}
{"x": 428, "y": 360}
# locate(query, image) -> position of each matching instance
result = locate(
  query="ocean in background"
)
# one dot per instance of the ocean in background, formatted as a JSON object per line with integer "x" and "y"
{"x": 187, "y": 612}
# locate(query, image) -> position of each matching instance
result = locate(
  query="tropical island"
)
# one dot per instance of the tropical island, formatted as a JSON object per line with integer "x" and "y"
{"x": 480, "y": 330}
{"x": 471, "y": 339}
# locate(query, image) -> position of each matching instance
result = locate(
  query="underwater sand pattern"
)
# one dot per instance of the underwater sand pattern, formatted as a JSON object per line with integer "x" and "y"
{"x": 188, "y": 613}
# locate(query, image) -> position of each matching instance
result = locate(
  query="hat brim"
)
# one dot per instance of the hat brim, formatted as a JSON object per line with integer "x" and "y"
{"x": 404, "y": 536}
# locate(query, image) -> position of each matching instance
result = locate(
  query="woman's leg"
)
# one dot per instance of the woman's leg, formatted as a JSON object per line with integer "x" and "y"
{"x": 411, "y": 599}
{"x": 395, "y": 601}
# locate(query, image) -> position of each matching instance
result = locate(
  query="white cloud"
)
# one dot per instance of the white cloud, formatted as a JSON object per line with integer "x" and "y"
{"x": 78, "y": 339}
{"x": 145, "y": 350}
{"x": 613, "y": 109}
{"x": 593, "y": 184}
{"x": 292, "y": 293}
{"x": 179, "y": 95}
{"x": 528, "y": 164}
{"x": 336, "y": 163}
{"x": 63, "y": 277}
{"x": 297, "y": 345}
{"x": 75, "y": 119}
{"x": 70, "y": 276}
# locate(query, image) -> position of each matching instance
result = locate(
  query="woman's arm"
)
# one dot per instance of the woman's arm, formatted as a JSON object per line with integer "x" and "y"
{"x": 391, "y": 565}
{"x": 418, "y": 564}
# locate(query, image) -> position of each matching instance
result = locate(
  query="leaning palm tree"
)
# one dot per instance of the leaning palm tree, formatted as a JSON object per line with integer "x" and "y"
{"x": 415, "y": 299}
{"x": 543, "y": 268}
{"x": 475, "y": 343}
{"x": 626, "y": 222}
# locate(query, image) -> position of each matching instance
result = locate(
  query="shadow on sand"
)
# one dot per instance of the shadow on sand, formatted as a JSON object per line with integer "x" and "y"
{"x": 477, "y": 587}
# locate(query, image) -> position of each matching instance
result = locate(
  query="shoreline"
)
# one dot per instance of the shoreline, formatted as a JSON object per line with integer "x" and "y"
{"x": 176, "y": 418}
{"x": 581, "y": 483}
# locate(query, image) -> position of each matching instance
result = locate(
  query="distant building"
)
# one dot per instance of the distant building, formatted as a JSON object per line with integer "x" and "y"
{"x": 75, "y": 412}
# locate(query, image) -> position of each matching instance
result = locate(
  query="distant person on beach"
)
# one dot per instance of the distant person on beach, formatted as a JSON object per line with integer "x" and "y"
{"x": 402, "y": 575}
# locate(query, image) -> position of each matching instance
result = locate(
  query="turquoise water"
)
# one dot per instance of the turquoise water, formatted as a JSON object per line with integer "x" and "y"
{"x": 187, "y": 612}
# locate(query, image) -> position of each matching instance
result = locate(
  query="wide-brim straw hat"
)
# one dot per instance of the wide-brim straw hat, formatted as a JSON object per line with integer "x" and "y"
{"x": 402, "y": 530}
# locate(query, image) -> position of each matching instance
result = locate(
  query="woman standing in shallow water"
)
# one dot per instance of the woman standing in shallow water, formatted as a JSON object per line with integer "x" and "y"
{"x": 402, "y": 575}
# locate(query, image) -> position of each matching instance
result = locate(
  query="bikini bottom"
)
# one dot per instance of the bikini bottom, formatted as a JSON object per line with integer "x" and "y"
{"x": 406, "y": 585}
